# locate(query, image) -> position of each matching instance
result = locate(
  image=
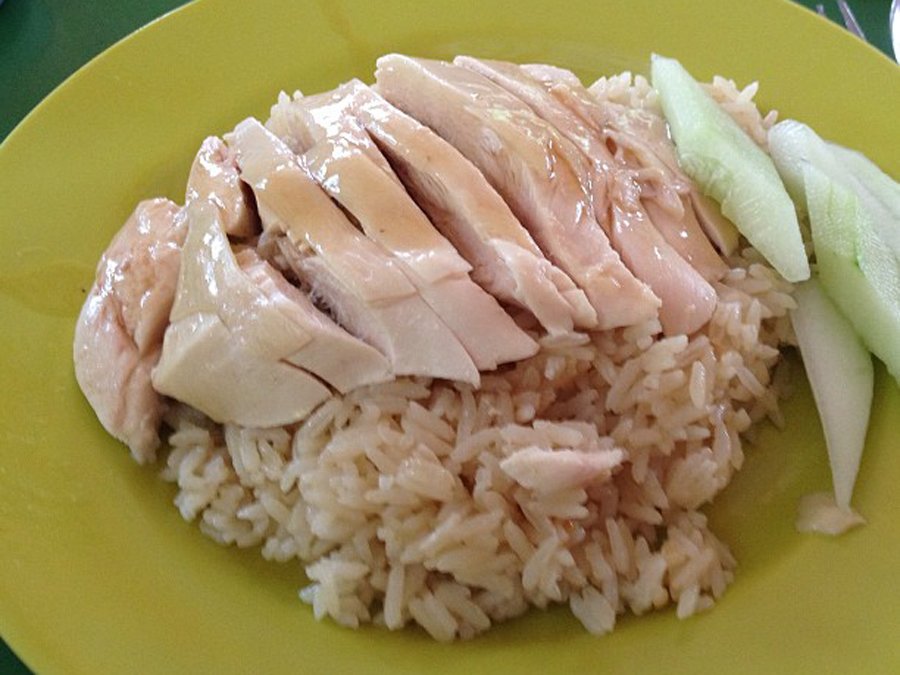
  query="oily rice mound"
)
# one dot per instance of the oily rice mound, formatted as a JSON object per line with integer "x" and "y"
{"x": 575, "y": 476}
{"x": 634, "y": 91}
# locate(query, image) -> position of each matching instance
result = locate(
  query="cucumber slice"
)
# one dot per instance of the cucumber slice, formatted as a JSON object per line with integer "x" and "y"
{"x": 792, "y": 144}
{"x": 730, "y": 168}
{"x": 856, "y": 268}
{"x": 842, "y": 378}
{"x": 875, "y": 181}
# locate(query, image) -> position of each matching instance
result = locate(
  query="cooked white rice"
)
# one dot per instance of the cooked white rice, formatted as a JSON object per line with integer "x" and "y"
{"x": 635, "y": 91}
{"x": 574, "y": 477}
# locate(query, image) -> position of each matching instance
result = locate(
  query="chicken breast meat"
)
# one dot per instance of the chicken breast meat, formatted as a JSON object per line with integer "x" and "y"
{"x": 225, "y": 352}
{"x": 670, "y": 271}
{"x": 463, "y": 206}
{"x": 356, "y": 278}
{"x": 214, "y": 177}
{"x": 536, "y": 170}
{"x": 343, "y": 164}
{"x": 244, "y": 346}
{"x": 639, "y": 139}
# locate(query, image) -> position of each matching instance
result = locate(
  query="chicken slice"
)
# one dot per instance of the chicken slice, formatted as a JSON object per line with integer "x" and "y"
{"x": 303, "y": 121}
{"x": 227, "y": 347}
{"x": 119, "y": 332}
{"x": 688, "y": 299}
{"x": 546, "y": 471}
{"x": 536, "y": 171}
{"x": 214, "y": 177}
{"x": 332, "y": 354}
{"x": 466, "y": 209}
{"x": 359, "y": 281}
{"x": 640, "y": 141}
{"x": 632, "y": 130}
{"x": 683, "y": 232}
{"x": 342, "y": 164}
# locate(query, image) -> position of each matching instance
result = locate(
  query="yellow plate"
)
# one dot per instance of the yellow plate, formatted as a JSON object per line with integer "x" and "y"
{"x": 98, "y": 573}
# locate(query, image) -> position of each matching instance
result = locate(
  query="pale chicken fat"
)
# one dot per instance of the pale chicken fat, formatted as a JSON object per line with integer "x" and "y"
{"x": 214, "y": 177}
{"x": 461, "y": 205}
{"x": 388, "y": 216}
{"x": 119, "y": 332}
{"x": 361, "y": 283}
{"x": 530, "y": 165}
{"x": 226, "y": 350}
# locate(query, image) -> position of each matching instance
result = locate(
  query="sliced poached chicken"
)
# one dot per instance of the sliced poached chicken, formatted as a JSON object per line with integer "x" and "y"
{"x": 638, "y": 138}
{"x": 536, "y": 170}
{"x": 214, "y": 177}
{"x": 331, "y": 353}
{"x": 360, "y": 282}
{"x": 225, "y": 351}
{"x": 469, "y": 212}
{"x": 688, "y": 299}
{"x": 342, "y": 164}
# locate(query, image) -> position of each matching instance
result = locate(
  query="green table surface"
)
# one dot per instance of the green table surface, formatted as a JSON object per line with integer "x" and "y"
{"x": 42, "y": 42}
